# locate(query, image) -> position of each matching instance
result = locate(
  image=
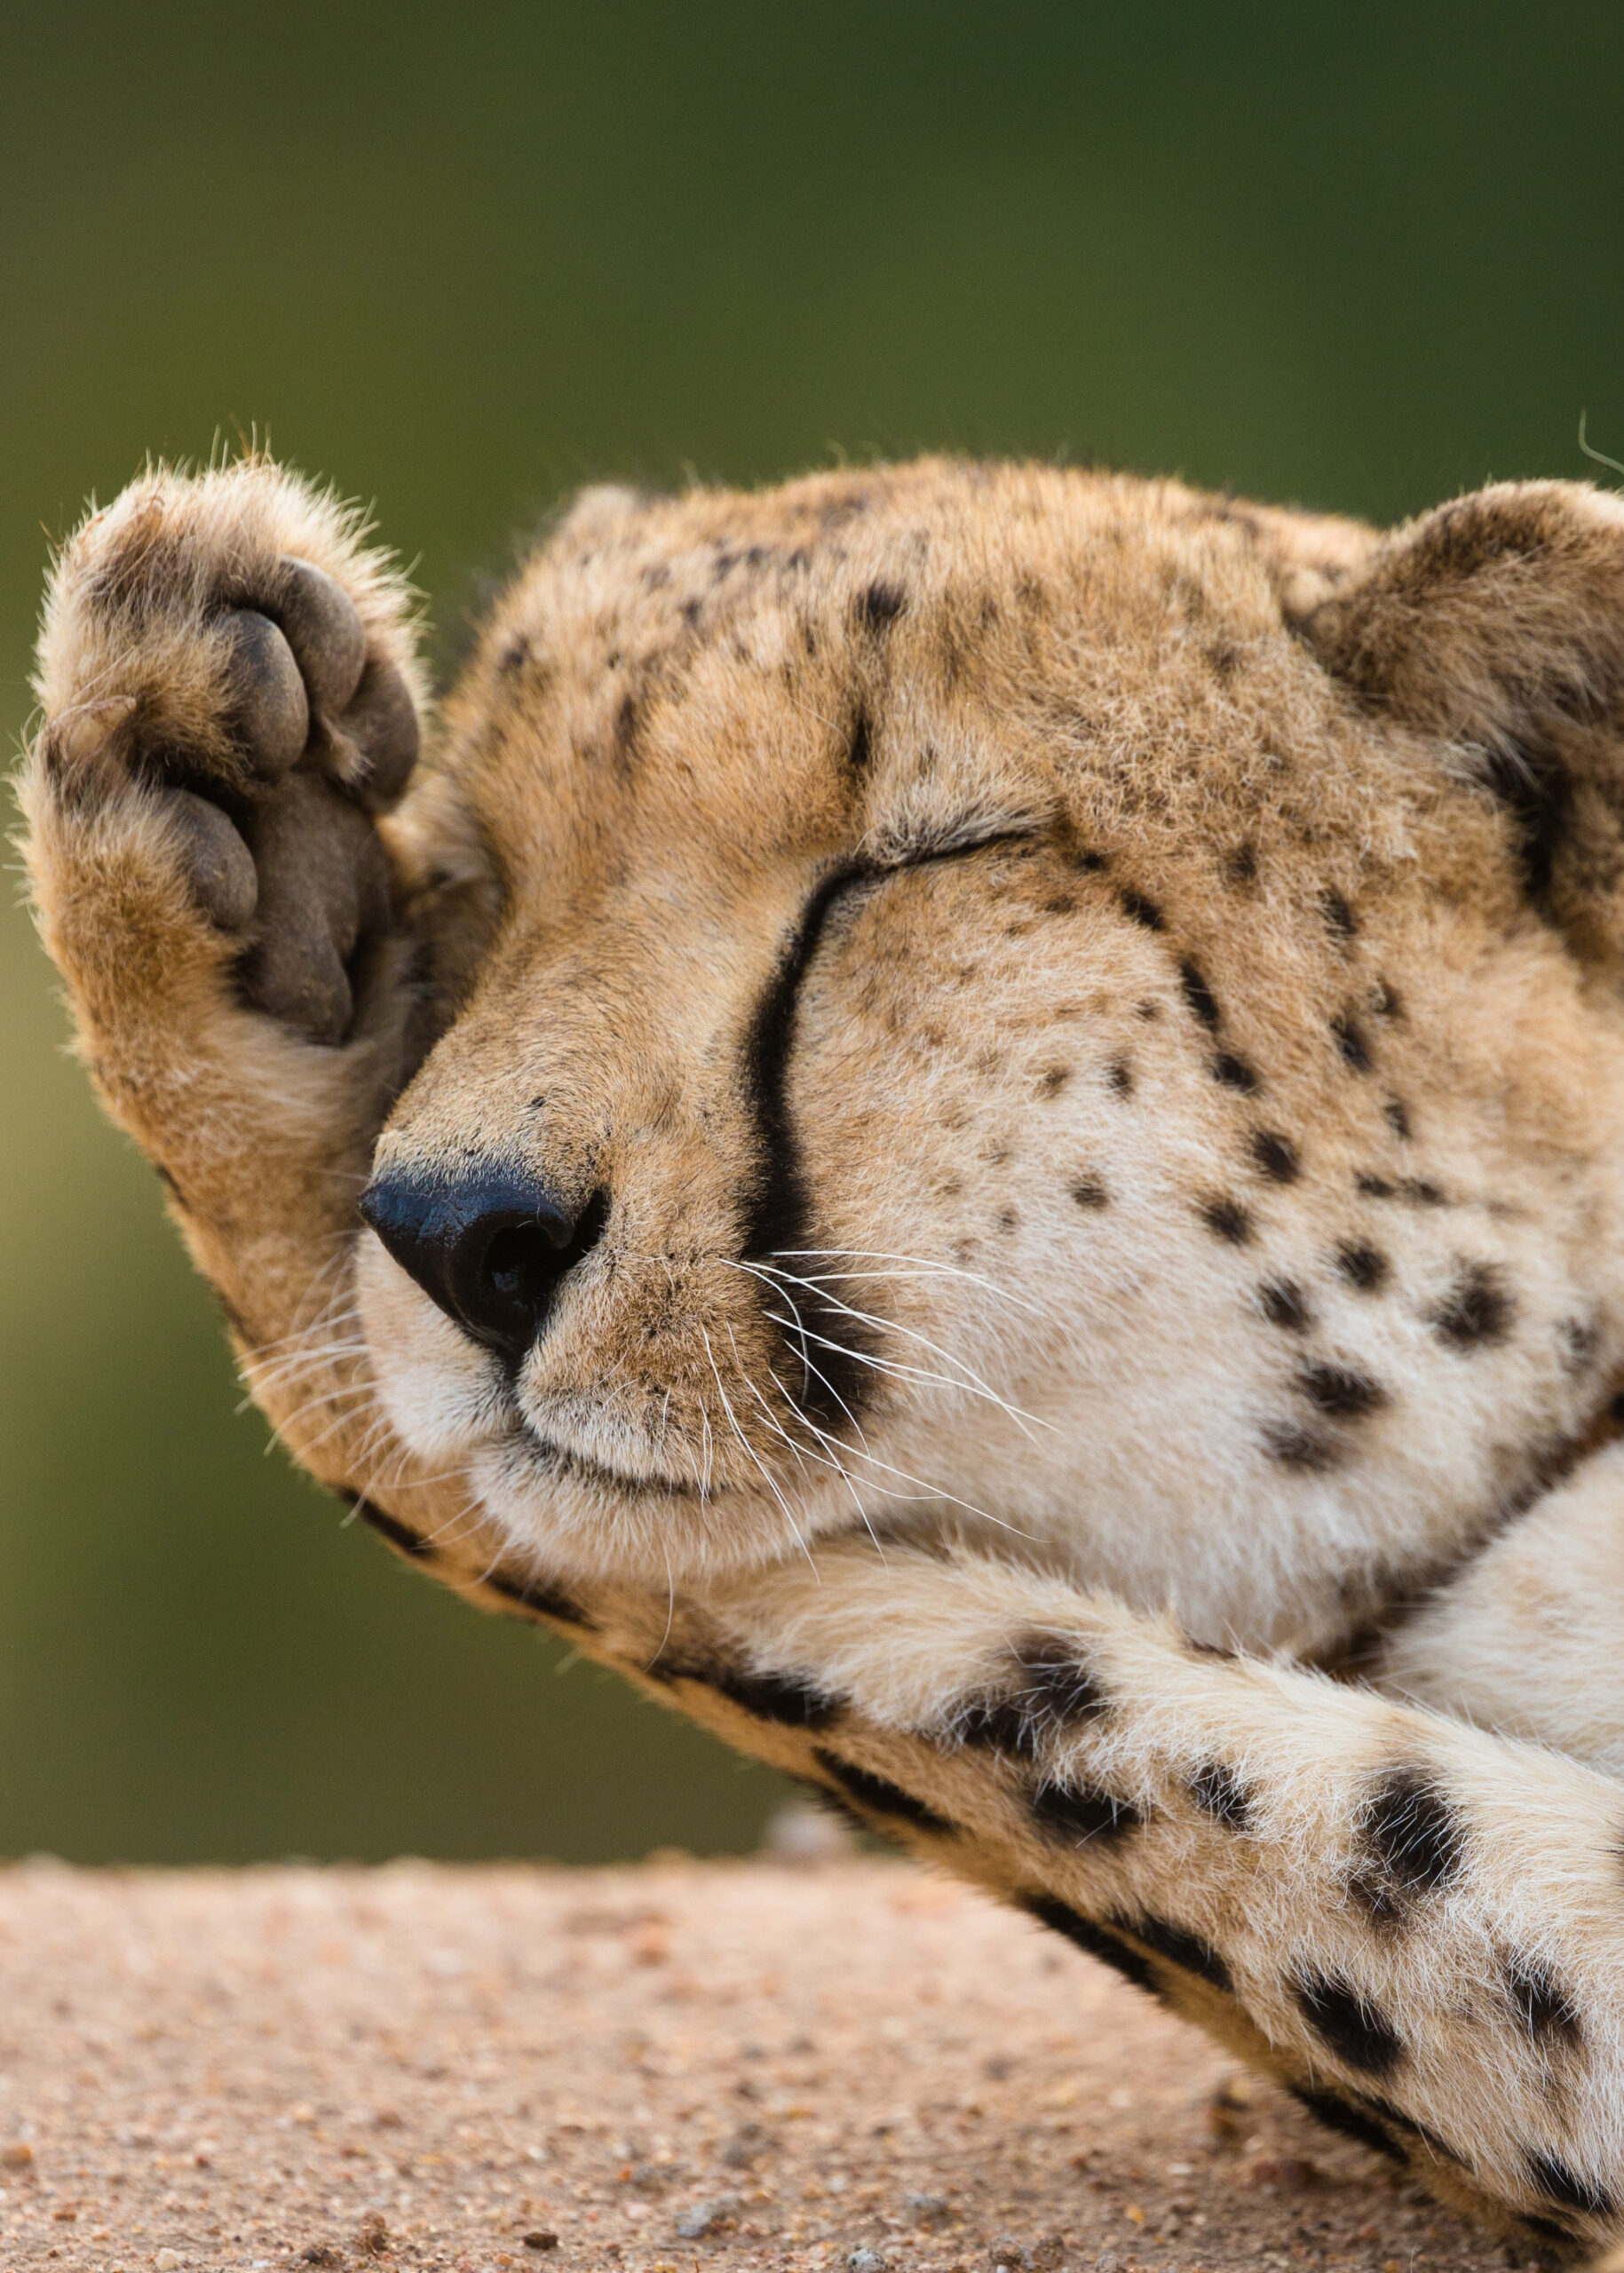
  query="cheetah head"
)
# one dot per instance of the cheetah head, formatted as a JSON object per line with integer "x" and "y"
{"x": 948, "y": 943}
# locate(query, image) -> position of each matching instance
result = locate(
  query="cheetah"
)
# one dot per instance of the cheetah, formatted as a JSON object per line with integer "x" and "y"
{"x": 967, "y": 1117}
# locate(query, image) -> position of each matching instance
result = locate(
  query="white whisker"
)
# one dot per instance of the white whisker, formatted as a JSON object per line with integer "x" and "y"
{"x": 751, "y": 1454}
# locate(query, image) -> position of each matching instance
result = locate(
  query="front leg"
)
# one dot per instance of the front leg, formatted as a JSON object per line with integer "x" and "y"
{"x": 231, "y": 701}
{"x": 1418, "y": 1926}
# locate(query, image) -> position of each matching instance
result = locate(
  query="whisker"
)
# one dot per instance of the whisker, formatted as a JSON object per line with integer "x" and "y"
{"x": 926, "y": 1491}
{"x": 972, "y": 1381}
{"x": 751, "y": 1453}
{"x": 924, "y": 1262}
{"x": 899, "y": 1369}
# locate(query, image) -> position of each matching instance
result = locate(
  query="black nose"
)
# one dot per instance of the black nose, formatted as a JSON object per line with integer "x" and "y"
{"x": 490, "y": 1244}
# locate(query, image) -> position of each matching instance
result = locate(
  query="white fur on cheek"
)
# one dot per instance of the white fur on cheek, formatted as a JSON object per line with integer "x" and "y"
{"x": 443, "y": 1394}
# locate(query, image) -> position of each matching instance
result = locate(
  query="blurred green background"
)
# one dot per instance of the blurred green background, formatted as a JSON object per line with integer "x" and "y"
{"x": 462, "y": 259}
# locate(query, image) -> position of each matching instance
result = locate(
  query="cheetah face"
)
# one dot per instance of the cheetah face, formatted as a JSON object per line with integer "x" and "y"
{"x": 716, "y": 1221}
{"x": 961, "y": 978}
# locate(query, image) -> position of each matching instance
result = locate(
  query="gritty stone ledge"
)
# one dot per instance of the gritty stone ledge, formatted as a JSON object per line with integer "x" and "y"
{"x": 785, "y": 2064}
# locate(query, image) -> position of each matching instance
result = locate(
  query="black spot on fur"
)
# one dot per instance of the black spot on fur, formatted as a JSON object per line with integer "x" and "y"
{"x": 1339, "y": 917}
{"x": 1240, "y": 864}
{"x": 1276, "y": 1156}
{"x": 1052, "y": 1080}
{"x": 1078, "y": 1812}
{"x": 1397, "y": 1117}
{"x": 628, "y": 720}
{"x": 1189, "y": 1951}
{"x": 1218, "y": 1792}
{"x": 1421, "y": 1193}
{"x": 1559, "y": 2183}
{"x": 1348, "y": 2024}
{"x": 1540, "y": 2001}
{"x": 1581, "y": 1339}
{"x": 1310, "y": 1451}
{"x": 1439, "y": 2148}
{"x": 859, "y": 748}
{"x": 1282, "y": 1304}
{"x": 1203, "y": 1003}
{"x": 1227, "y": 1219}
{"x": 1235, "y": 1073}
{"x": 878, "y": 608}
{"x": 788, "y": 1698}
{"x": 1350, "y": 1037}
{"x": 1349, "y": 2120}
{"x": 1477, "y": 1311}
{"x": 538, "y": 1595}
{"x": 1372, "y": 1186}
{"x": 1120, "y": 1075}
{"x": 1337, "y": 1389}
{"x": 1547, "y": 2229}
{"x": 1060, "y": 1918}
{"x": 390, "y": 1527}
{"x": 878, "y": 1795}
{"x": 1048, "y": 1687}
{"x": 1089, "y": 1191}
{"x": 1362, "y": 1266}
{"x": 1386, "y": 1001}
{"x": 1142, "y": 910}
{"x": 1413, "y": 1839}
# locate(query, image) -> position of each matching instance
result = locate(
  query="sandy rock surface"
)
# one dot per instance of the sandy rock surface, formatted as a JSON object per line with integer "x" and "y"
{"x": 680, "y": 2065}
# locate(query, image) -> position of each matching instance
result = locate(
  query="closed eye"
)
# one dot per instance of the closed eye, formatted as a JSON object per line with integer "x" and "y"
{"x": 910, "y": 847}
{"x": 954, "y": 848}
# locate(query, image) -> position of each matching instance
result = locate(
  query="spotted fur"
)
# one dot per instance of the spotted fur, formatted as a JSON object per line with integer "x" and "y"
{"x": 1062, "y": 1038}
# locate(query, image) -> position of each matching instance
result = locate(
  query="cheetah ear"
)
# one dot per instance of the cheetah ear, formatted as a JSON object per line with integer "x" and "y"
{"x": 1497, "y": 624}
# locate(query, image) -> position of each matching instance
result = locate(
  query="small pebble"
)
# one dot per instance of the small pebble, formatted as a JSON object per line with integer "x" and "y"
{"x": 698, "y": 2221}
{"x": 927, "y": 2209}
{"x": 540, "y": 2240}
{"x": 1007, "y": 2255}
{"x": 168, "y": 2260}
{"x": 747, "y": 2143}
{"x": 17, "y": 2156}
{"x": 866, "y": 2261}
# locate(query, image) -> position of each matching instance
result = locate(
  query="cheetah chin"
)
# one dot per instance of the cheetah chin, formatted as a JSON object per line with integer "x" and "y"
{"x": 967, "y": 1117}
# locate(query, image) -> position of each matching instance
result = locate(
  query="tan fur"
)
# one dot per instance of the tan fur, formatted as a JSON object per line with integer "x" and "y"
{"x": 1203, "y": 1076}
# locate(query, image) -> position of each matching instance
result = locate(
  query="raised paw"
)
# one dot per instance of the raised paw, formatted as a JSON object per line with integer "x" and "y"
{"x": 221, "y": 659}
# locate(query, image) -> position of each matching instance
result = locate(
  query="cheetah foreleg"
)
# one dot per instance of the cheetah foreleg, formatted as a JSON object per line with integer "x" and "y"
{"x": 1419, "y": 1926}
